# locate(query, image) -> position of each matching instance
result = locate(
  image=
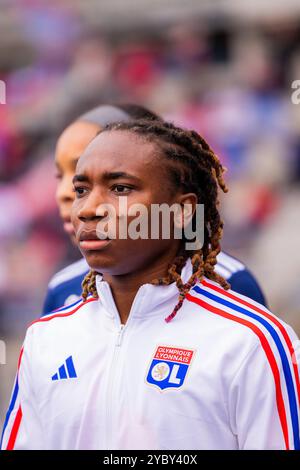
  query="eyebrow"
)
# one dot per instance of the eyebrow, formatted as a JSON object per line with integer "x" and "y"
{"x": 114, "y": 175}
{"x": 108, "y": 175}
{"x": 80, "y": 179}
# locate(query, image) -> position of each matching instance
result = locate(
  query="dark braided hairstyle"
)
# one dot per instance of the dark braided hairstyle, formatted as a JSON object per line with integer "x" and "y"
{"x": 194, "y": 167}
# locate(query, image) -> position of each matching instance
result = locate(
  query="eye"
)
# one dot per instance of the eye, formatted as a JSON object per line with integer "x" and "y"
{"x": 121, "y": 189}
{"x": 79, "y": 191}
{"x": 58, "y": 175}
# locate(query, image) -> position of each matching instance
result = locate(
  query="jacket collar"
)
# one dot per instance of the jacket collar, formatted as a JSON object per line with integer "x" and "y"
{"x": 149, "y": 299}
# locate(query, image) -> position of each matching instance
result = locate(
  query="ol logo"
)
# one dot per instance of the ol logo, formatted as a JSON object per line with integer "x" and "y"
{"x": 169, "y": 367}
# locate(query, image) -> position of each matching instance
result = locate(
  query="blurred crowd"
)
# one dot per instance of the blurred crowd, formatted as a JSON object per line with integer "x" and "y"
{"x": 230, "y": 83}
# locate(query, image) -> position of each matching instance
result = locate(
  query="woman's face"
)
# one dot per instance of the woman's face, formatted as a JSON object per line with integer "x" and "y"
{"x": 70, "y": 146}
{"x": 120, "y": 164}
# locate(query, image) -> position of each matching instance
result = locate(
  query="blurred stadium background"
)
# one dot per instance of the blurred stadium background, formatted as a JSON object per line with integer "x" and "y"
{"x": 224, "y": 68}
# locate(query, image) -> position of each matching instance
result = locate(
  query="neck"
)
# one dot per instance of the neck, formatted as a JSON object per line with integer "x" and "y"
{"x": 125, "y": 286}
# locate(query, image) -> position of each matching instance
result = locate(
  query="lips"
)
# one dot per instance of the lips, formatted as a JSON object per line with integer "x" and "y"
{"x": 91, "y": 240}
{"x": 88, "y": 235}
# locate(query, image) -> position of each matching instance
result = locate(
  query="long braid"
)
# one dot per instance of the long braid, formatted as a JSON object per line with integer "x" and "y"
{"x": 196, "y": 168}
{"x": 89, "y": 285}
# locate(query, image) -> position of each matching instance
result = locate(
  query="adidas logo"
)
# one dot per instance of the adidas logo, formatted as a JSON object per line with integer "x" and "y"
{"x": 66, "y": 371}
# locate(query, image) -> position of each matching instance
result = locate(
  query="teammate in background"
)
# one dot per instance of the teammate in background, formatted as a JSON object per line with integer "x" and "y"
{"x": 159, "y": 354}
{"x": 65, "y": 286}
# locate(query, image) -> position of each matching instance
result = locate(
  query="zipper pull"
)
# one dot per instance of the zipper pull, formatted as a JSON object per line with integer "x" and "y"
{"x": 120, "y": 335}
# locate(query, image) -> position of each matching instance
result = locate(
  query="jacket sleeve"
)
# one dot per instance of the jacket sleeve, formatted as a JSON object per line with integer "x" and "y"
{"x": 264, "y": 396}
{"x": 22, "y": 428}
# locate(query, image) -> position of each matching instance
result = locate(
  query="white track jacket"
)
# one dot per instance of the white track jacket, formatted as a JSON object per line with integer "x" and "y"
{"x": 223, "y": 374}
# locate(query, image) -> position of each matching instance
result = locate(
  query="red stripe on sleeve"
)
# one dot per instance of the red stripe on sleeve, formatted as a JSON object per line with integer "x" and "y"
{"x": 61, "y": 315}
{"x": 15, "y": 430}
{"x": 269, "y": 354}
{"x": 270, "y": 317}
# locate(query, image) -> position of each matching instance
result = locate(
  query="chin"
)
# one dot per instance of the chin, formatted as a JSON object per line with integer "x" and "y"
{"x": 100, "y": 262}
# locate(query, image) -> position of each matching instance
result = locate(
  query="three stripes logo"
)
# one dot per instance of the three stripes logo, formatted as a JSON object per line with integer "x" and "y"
{"x": 66, "y": 370}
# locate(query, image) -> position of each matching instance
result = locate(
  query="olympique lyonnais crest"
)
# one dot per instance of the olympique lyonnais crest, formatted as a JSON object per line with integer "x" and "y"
{"x": 169, "y": 367}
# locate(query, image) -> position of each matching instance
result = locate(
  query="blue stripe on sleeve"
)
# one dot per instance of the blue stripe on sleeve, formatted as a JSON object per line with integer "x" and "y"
{"x": 10, "y": 409}
{"x": 282, "y": 353}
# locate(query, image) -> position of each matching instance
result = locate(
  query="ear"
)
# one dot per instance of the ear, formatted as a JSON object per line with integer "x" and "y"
{"x": 187, "y": 204}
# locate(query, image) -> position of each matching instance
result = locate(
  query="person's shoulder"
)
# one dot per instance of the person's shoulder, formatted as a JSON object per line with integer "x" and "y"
{"x": 65, "y": 286}
{"x": 58, "y": 330}
{"x": 228, "y": 265}
{"x": 58, "y": 317}
{"x": 239, "y": 277}
{"x": 74, "y": 270}
{"x": 237, "y": 315}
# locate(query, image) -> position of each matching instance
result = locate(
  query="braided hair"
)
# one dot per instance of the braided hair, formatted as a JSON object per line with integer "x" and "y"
{"x": 194, "y": 167}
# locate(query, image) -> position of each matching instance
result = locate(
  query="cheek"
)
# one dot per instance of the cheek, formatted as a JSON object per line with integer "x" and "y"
{"x": 159, "y": 193}
{"x": 74, "y": 212}
{"x": 64, "y": 189}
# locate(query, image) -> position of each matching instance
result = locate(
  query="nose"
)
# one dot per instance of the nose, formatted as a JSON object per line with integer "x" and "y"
{"x": 88, "y": 207}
